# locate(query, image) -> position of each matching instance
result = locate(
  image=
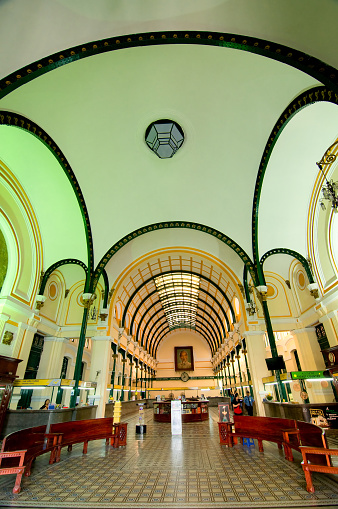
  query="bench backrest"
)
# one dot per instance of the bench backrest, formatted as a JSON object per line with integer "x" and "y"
{"x": 81, "y": 430}
{"x": 24, "y": 439}
{"x": 271, "y": 427}
{"x": 312, "y": 436}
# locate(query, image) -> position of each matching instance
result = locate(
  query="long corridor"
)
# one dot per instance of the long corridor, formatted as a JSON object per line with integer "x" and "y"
{"x": 161, "y": 471}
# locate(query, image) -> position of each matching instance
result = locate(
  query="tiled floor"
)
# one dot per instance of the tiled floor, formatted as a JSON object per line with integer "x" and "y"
{"x": 161, "y": 471}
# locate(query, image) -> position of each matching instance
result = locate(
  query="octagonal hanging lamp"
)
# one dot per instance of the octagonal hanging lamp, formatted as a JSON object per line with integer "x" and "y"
{"x": 164, "y": 137}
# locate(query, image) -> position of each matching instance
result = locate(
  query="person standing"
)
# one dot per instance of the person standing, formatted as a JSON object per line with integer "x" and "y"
{"x": 248, "y": 402}
{"x": 236, "y": 405}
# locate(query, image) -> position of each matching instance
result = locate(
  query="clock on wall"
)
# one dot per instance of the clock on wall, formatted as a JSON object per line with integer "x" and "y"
{"x": 184, "y": 376}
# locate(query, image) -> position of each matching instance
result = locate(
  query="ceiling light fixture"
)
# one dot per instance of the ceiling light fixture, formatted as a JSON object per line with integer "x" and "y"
{"x": 178, "y": 293}
{"x": 164, "y": 137}
{"x": 330, "y": 188}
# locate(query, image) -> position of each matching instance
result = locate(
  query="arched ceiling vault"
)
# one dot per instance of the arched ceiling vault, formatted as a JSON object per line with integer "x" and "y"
{"x": 147, "y": 312}
{"x": 123, "y": 91}
{"x": 224, "y": 100}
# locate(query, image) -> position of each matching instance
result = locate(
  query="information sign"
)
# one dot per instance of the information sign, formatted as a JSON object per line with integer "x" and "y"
{"x": 304, "y": 375}
{"x": 36, "y": 382}
{"x": 176, "y": 417}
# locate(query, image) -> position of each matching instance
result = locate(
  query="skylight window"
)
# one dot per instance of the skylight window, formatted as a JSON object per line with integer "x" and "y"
{"x": 178, "y": 293}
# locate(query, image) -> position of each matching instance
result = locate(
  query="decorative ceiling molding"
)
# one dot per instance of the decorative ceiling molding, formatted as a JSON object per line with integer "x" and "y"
{"x": 310, "y": 65}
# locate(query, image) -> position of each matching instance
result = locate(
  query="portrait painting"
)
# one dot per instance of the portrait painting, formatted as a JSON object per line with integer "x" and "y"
{"x": 223, "y": 412}
{"x": 184, "y": 359}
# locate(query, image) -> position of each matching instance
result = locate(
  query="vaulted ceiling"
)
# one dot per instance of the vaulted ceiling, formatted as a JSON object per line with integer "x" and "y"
{"x": 73, "y": 120}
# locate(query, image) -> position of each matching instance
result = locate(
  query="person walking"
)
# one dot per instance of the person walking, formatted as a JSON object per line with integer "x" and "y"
{"x": 248, "y": 402}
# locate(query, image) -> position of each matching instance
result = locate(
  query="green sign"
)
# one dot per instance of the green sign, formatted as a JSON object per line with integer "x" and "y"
{"x": 304, "y": 375}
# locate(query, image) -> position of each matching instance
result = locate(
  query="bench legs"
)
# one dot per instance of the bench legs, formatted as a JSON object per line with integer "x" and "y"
{"x": 85, "y": 447}
{"x": 288, "y": 452}
{"x": 308, "y": 478}
{"x": 17, "y": 485}
{"x": 260, "y": 445}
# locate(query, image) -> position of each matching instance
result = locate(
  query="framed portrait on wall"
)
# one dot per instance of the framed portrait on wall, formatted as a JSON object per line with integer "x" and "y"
{"x": 184, "y": 359}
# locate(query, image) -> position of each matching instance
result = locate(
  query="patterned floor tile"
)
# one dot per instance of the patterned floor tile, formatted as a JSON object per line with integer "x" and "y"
{"x": 160, "y": 471}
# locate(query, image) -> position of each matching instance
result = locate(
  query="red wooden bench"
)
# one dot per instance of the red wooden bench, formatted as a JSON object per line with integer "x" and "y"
{"x": 259, "y": 428}
{"x": 287, "y": 433}
{"x": 316, "y": 464}
{"x": 76, "y": 432}
{"x": 35, "y": 441}
{"x": 306, "y": 434}
{"x": 18, "y": 469}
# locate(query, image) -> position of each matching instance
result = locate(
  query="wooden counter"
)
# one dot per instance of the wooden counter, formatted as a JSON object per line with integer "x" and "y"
{"x": 192, "y": 411}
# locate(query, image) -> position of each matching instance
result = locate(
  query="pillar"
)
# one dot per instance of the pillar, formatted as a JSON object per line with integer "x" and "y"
{"x": 311, "y": 359}
{"x": 99, "y": 370}
{"x": 330, "y": 323}
{"x": 256, "y": 352}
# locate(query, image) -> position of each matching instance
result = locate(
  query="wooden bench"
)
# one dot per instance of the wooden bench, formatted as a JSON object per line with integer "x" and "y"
{"x": 76, "y": 432}
{"x": 18, "y": 469}
{"x": 259, "y": 428}
{"x": 316, "y": 464}
{"x": 287, "y": 433}
{"x": 306, "y": 434}
{"x": 35, "y": 441}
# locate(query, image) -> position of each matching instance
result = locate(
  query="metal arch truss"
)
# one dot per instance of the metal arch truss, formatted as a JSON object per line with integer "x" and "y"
{"x": 56, "y": 265}
{"x": 311, "y": 96}
{"x": 205, "y": 278}
{"x": 292, "y": 253}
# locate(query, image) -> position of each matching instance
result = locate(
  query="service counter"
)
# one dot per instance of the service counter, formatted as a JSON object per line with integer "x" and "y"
{"x": 192, "y": 411}
{"x": 21, "y": 419}
{"x": 321, "y": 414}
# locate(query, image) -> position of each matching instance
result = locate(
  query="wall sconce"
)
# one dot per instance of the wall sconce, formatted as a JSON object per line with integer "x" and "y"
{"x": 330, "y": 187}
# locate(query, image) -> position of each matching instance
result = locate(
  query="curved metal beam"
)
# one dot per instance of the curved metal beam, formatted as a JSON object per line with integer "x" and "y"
{"x": 139, "y": 306}
{"x": 146, "y": 325}
{"x": 56, "y": 265}
{"x": 294, "y": 254}
{"x": 205, "y": 278}
{"x": 201, "y": 300}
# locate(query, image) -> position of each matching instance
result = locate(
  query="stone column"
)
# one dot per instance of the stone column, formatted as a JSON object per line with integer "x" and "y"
{"x": 311, "y": 359}
{"x": 256, "y": 357}
{"x": 330, "y": 323}
{"x": 99, "y": 370}
{"x": 52, "y": 357}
